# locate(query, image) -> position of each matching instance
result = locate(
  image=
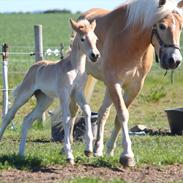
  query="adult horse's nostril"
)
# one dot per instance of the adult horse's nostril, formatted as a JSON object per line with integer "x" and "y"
{"x": 178, "y": 62}
{"x": 171, "y": 61}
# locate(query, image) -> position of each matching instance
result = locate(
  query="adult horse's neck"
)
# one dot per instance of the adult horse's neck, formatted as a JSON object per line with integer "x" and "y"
{"x": 131, "y": 39}
{"x": 78, "y": 57}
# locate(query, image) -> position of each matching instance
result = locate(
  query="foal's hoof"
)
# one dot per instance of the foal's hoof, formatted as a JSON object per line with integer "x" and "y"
{"x": 70, "y": 161}
{"x": 127, "y": 161}
{"x": 88, "y": 153}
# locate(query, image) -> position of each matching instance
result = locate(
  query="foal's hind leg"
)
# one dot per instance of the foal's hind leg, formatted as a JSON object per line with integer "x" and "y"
{"x": 79, "y": 96}
{"x": 21, "y": 98}
{"x": 43, "y": 102}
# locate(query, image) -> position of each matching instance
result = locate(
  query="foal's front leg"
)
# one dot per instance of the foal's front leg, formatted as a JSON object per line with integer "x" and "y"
{"x": 66, "y": 116}
{"x": 80, "y": 99}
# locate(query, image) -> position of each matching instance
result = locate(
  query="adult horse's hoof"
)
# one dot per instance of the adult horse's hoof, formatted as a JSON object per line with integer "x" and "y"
{"x": 127, "y": 161}
{"x": 70, "y": 161}
{"x": 88, "y": 153}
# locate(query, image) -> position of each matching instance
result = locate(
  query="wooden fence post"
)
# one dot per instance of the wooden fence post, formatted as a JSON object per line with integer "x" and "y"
{"x": 39, "y": 53}
{"x": 5, "y": 79}
{"x": 38, "y": 42}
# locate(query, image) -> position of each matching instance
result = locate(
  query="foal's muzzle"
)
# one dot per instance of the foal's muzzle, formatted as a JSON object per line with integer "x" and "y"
{"x": 94, "y": 56}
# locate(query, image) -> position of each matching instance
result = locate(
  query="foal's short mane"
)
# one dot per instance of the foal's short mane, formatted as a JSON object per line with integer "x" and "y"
{"x": 147, "y": 12}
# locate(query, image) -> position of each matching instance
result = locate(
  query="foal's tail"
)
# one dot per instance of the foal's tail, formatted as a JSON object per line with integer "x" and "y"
{"x": 16, "y": 90}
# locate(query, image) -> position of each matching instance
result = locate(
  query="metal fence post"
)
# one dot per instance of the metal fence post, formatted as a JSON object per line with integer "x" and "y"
{"x": 5, "y": 78}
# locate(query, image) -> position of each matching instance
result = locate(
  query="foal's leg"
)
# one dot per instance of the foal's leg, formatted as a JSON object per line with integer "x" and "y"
{"x": 43, "y": 102}
{"x": 102, "y": 118}
{"x": 80, "y": 99}
{"x": 66, "y": 117}
{"x": 21, "y": 98}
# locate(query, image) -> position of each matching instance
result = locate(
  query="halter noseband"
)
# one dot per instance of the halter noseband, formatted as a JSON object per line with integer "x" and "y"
{"x": 161, "y": 43}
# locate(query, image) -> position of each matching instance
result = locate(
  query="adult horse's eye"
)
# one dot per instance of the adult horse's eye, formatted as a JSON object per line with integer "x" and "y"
{"x": 162, "y": 26}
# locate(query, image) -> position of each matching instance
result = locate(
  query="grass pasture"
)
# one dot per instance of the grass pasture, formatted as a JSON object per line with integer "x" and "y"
{"x": 148, "y": 109}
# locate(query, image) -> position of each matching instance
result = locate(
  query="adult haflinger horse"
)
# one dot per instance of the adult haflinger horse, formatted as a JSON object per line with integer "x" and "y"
{"x": 126, "y": 36}
{"x": 47, "y": 80}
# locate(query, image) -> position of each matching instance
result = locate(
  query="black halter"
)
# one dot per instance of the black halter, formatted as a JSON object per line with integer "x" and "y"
{"x": 161, "y": 43}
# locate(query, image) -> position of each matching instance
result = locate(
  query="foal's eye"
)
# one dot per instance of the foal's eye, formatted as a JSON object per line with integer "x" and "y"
{"x": 162, "y": 26}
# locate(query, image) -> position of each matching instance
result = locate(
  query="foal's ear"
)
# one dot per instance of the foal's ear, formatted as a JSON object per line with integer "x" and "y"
{"x": 74, "y": 25}
{"x": 180, "y": 4}
{"x": 162, "y": 2}
{"x": 93, "y": 24}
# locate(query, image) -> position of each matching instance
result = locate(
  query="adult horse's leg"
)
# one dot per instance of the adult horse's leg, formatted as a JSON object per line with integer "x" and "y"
{"x": 43, "y": 102}
{"x": 129, "y": 95}
{"x": 79, "y": 96}
{"x": 111, "y": 144}
{"x": 102, "y": 118}
{"x": 20, "y": 99}
{"x": 127, "y": 157}
{"x": 74, "y": 109}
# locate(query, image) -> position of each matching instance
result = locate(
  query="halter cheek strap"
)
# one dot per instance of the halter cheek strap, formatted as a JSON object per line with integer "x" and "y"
{"x": 161, "y": 43}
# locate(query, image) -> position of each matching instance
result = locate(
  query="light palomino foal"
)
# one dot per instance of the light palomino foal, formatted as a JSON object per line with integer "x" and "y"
{"x": 65, "y": 79}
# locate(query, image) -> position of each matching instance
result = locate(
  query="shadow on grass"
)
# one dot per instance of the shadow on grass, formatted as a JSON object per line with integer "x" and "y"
{"x": 21, "y": 163}
{"x": 104, "y": 163}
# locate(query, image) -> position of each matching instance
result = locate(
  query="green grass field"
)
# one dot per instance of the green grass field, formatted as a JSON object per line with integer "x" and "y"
{"x": 148, "y": 108}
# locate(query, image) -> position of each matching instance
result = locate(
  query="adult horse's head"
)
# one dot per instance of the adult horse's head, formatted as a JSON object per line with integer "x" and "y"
{"x": 86, "y": 38}
{"x": 166, "y": 38}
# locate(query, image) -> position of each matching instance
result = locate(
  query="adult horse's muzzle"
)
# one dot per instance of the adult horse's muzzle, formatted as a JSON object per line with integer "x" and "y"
{"x": 170, "y": 58}
{"x": 169, "y": 55}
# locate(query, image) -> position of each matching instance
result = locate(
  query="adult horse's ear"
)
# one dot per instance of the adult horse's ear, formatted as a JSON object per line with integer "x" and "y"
{"x": 93, "y": 24}
{"x": 180, "y": 4}
{"x": 74, "y": 25}
{"x": 162, "y": 2}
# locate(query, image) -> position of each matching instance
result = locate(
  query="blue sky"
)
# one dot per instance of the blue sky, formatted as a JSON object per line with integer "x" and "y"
{"x": 73, "y": 5}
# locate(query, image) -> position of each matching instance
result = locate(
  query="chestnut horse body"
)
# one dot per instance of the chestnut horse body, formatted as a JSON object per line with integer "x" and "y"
{"x": 126, "y": 36}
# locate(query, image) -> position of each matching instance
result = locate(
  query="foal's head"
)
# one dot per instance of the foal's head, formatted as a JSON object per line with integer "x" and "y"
{"x": 86, "y": 38}
{"x": 166, "y": 39}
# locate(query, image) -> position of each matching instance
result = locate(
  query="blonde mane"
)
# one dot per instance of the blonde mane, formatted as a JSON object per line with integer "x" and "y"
{"x": 147, "y": 12}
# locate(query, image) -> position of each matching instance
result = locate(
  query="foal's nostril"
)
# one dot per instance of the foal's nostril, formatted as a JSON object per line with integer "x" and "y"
{"x": 92, "y": 55}
{"x": 97, "y": 56}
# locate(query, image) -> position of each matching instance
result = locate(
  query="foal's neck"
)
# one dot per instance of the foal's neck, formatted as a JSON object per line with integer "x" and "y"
{"x": 78, "y": 57}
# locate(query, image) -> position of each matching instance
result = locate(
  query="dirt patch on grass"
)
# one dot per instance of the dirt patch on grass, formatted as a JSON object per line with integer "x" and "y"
{"x": 170, "y": 173}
